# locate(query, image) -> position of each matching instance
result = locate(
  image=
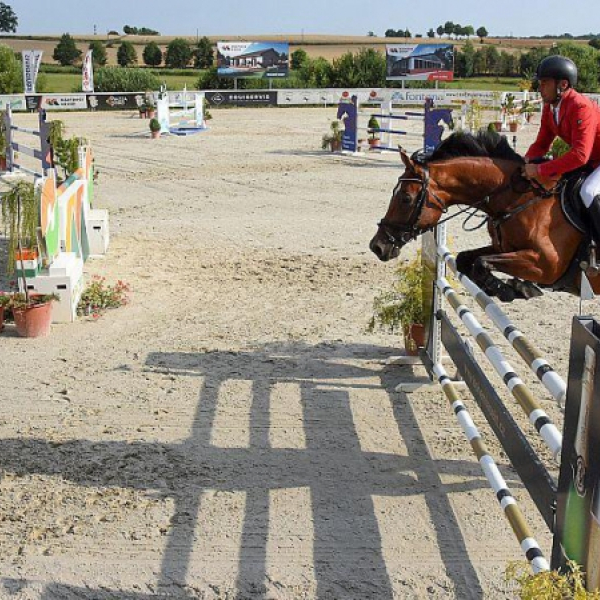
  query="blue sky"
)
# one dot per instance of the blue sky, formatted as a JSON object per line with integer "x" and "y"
{"x": 348, "y": 17}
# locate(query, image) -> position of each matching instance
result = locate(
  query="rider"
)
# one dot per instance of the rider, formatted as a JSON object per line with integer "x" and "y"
{"x": 576, "y": 120}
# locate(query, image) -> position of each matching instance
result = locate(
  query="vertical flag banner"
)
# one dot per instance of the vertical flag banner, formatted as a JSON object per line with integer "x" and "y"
{"x": 31, "y": 65}
{"x": 87, "y": 73}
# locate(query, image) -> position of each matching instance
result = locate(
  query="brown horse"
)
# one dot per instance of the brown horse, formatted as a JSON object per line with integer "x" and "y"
{"x": 531, "y": 239}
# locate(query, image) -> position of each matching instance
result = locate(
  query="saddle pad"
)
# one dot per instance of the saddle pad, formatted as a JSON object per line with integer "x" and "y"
{"x": 570, "y": 201}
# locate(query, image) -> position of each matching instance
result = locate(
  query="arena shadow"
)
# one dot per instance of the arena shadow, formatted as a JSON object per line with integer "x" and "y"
{"x": 340, "y": 478}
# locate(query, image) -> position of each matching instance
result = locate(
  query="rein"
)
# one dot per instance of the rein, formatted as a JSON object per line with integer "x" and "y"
{"x": 399, "y": 235}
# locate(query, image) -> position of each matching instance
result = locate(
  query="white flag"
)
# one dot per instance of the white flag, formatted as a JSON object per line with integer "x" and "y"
{"x": 31, "y": 65}
{"x": 87, "y": 73}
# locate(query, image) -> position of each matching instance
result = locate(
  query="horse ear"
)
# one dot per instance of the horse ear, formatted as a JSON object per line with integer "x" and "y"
{"x": 408, "y": 163}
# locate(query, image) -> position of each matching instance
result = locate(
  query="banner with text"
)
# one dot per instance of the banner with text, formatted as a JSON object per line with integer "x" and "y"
{"x": 253, "y": 59}
{"x": 87, "y": 73}
{"x": 31, "y": 65}
{"x": 428, "y": 62}
{"x": 241, "y": 98}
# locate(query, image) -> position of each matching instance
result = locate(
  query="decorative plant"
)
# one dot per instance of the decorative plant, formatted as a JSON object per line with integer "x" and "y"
{"x": 396, "y": 309}
{"x": 65, "y": 151}
{"x": 20, "y": 218}
{"x": 549, "y": 585}
{"x": 332, "y": 140}
{"x": 19, "y": 300}
{"x": 154, "y": 125}
{"x": 558, "y": 148}
{"x": 509, "y": 107}
{"x": 99, "y": 296}
{"x": 373, "y": 127}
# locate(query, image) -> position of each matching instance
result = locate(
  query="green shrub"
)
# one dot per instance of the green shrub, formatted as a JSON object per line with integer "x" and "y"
{"x": 115, "y": 79}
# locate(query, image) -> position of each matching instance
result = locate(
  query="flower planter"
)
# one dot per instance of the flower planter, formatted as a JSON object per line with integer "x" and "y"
{"x": 414, "y": 338}
{"x": 374, "y": 142}
{"x": 150, "y": 114}
{"x": 155, "y": 134}
{"x": 3, "y": 164}
{"x": 513, "y": 127}
{"x": 33, "y": 321}
{"x": 1, "y": 318}
{"x": 335, "y": 145}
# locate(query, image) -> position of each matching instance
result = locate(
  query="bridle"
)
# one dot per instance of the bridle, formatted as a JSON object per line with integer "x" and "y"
{"x": 399, "y": 234}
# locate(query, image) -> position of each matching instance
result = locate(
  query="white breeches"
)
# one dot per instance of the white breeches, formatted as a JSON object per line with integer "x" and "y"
{"x": 591, "y": 187}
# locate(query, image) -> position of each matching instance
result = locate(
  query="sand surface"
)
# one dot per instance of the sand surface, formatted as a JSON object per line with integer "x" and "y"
{"x": 234, "y": 432}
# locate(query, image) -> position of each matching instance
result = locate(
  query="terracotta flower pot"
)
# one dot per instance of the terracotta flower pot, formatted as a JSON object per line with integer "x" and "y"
{"x": 3, "y": 164}
{"x": 514, "y": 126}
{"x": 414, "y": 338}
{"x": 1, "y": 318}
{"x": 155, "y": 134}
{"x": 34, "y": 320}
{"x": 374, "y": 142}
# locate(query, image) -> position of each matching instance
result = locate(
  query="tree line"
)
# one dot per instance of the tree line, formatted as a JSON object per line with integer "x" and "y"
{"x": 179, "y": 53}
{"x": 448, "y": 28}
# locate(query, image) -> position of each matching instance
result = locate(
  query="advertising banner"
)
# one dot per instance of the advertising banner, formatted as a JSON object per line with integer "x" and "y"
{"x": 253, "y": 59}
{"x": 31, "y": 65}
{"x": 107, "y": 101}
{"x": 241, "y": 98}
{"x": 428, "y": 62}
{"x": 16, "y": 102}
{"x": 87, "y": 73}
{"x": 578, "y": 512}
{"x": 61, "y": 101}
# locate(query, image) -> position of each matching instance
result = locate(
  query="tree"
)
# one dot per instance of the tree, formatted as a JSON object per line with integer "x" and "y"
{"x": 204, "y": 54}
{"x": 440, "y": 30}
{"x": 586, "y": 59}
{"x": 152, "y": 55}
{"x": 11, "y": 77}
{"x": 469, "y": 58}
{"x": 178, "y": 54}
{"x": 298, "y": 58}
{"x": 8, "y": 19}
{"x": 431, "y": 33}
{"x": 66, "y": 52}
{"x": 363, "y": 69}
{"x": 481, "y": 33}
{"x": 98, "y": 53}
{"x": 457, "y": 30}
{"x": 595, "y": 43}
{"x": 448, "y": 27}
{"x": 126, "y": 54}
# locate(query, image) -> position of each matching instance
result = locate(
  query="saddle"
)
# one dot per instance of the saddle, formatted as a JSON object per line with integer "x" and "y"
{"x": 570, "y": 200}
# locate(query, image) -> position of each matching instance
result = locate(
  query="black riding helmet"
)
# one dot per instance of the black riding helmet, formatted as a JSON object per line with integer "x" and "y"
{"x": 557, "y": 67}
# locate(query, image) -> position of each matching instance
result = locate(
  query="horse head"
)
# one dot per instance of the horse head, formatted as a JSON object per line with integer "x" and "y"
{"x": 413, "y": 209}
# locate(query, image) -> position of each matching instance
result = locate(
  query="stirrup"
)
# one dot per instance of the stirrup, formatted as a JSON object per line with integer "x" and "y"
{"x": 591, "y": 267}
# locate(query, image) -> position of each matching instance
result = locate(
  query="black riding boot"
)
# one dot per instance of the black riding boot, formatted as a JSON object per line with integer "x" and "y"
{"x": 594, "y": 212}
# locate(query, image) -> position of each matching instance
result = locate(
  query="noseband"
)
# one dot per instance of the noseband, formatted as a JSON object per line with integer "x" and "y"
{"x": 400, "y": 234}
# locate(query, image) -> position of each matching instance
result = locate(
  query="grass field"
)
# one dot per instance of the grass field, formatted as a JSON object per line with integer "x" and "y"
{"x": 71, "y": 82}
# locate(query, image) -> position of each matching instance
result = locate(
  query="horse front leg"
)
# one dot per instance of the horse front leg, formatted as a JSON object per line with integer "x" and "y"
{"x": 521, "y": 264}
{"x": 472, "y": 263}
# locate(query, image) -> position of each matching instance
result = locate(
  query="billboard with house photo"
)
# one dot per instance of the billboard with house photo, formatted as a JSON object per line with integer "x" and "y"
{"x": 428, "y": 62}
{"x": 253, "y": 59}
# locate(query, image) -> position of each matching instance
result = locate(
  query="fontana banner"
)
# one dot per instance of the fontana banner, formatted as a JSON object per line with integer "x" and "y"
{"x": 31, "y": 65}
{"x": 253, "y": 59}
{"x": 87, "y": 73}
{"x": 425, "y": 62}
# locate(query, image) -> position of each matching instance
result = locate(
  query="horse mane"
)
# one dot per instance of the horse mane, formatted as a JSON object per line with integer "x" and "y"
{"x": 487, "y": 144}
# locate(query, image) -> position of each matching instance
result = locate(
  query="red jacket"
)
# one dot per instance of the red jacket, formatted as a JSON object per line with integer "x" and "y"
{"x": 578, "y": 125}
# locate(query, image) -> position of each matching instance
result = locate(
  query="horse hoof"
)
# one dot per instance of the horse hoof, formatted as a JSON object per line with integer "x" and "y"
{"x": 506, "y": 294}
{"x": 525, "y": 289}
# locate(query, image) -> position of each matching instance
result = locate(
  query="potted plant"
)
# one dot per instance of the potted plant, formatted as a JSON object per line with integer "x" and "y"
{"x": 510, "y": 111}
{"x": 401, "y": 308}
{"x": 527, "y": 110}
{"x": 20, "y": 214}
{"x": 373, "y": 129}
{"x": 32, "y": 313}
{"x": 154, "y": 128}
{"x": 332, "y": 140}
